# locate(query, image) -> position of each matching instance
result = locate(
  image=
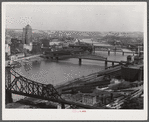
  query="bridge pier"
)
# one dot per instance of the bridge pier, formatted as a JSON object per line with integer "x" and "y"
{"x": 80, "y": 61}
{"x": 8, "y": 94}
{"x": 112, "y": 63}
{"x": 8, "y": 97}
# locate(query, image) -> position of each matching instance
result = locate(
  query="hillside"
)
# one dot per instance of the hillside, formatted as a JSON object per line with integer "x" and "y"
{"x": 106, "y": 37}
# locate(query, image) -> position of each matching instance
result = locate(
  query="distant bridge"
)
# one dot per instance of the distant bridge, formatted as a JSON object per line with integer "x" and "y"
{"x": 98, "y": 58}
{"x": 92, "y": 57}
{"x": 108, "y": 48}
{"x": 88, "y": 57}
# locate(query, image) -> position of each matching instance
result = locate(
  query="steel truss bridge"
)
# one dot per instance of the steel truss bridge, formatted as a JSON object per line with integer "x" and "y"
{"x": 23, "y": 86}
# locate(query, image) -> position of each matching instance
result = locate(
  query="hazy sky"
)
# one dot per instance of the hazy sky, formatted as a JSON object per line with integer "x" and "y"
{"x": 76, "y": 17}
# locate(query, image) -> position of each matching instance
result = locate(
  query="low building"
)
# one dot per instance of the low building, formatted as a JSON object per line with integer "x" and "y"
{"x": 36, "y": 47}
{"x": 88, "y": 99}
{"x": 132, "y": 72}
{"x": 90, "y": 41}
{"x": 28, "y": 46}
{"x": 65, "y": 44}
{"x": 54, "y": 42}
{"x": 16, "y": 46}
{"x": 13, "y": 57}
{"x": 8, "y": 39}
{"x": 20, "y": 55}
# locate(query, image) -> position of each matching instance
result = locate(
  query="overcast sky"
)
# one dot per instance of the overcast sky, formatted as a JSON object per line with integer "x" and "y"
{"x": 76, "y": 17}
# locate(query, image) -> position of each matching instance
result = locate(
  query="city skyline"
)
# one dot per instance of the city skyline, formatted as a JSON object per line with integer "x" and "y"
{"x": 102, "y": 18}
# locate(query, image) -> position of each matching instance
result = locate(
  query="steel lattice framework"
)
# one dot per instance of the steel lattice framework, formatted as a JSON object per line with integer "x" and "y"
{"x": 23, "y": 86}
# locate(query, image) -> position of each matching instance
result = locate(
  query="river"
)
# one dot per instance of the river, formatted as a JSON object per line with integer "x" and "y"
{"x": 49, "y": 72}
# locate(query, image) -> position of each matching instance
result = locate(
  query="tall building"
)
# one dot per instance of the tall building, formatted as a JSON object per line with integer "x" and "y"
{"x": 27, "y": 35}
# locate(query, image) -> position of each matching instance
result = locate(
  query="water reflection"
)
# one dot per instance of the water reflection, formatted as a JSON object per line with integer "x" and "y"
{"x": 58, "y": 72}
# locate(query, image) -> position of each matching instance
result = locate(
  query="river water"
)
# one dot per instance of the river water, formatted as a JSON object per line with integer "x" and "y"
{"x": 49, "y": 72}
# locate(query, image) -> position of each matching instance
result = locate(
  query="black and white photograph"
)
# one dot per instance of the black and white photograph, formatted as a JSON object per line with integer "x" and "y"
{"x": 74, "y": 60}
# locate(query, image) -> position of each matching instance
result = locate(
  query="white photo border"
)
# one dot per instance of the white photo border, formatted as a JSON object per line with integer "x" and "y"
{"x": 69, "y": 114}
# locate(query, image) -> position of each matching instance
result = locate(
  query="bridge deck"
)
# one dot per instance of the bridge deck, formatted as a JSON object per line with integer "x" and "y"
{"x": 99, "y": 58}
{"x": 92, "y": 57}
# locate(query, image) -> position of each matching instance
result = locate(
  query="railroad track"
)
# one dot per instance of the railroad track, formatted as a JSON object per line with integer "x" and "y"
{"x": 92, "y": 77}
{"x": 117, "y": 104}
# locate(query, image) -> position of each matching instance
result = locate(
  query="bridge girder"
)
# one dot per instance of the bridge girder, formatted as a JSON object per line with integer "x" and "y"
{"x": 26, "y": 87}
